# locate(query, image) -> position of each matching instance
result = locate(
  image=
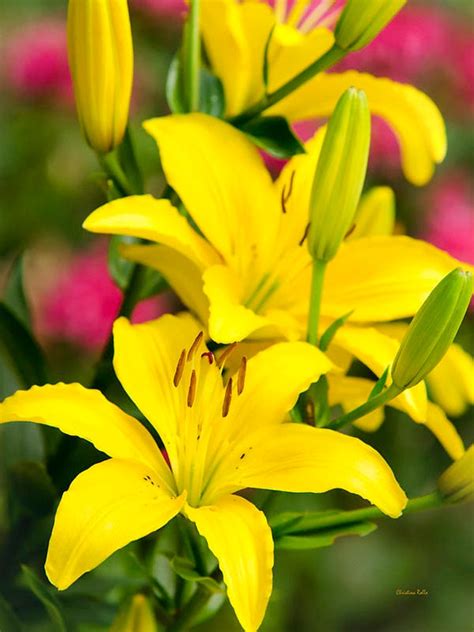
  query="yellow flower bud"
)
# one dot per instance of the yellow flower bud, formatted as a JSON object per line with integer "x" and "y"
{"x": 433, "y": 329}
{"x": 137, "y": 616}
{"x": 340, "y": 175}
{"x": 362, "y": 20}
{"x": 456, "y": 484}
{"x": 100, "y": 54}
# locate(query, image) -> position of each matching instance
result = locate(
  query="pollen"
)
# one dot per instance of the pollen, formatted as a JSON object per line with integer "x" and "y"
{"x": 227, "y": 398}
{"x": 195, "y": 345}
{"x": 178, "y": 374}
{"x": 209, "y": 355}
{"x": 241, "y": 375}
{"x": 192, "y": 389}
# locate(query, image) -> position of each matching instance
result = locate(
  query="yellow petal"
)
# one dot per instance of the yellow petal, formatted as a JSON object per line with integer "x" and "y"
{"x": 444, "y": 431}
{"x": 451, "y": 383}
{"x": 377, "y": 351}
{"x": 85, "y": 413}
{"x": 375, "y": 215}
{"x": 273, "y": 381}
{"x": 137, "y": 616}
{"x": 415, "y": 119}
{"x": 145, "y": 361}
{"x": 229, "y": 319}
{"x": 300, "y": 458}
{"x": 351, "y": 392}
{"x": 223, "y": 184}
{"x": 183, "y": 275}
{"x": 383, "y": 278}
{"x": 106, "y": 507}
{"x": 156, "y": 220}
{"x": 239, "y": 536}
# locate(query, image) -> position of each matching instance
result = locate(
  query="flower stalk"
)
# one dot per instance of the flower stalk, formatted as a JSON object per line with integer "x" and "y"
{"x": 317, "y": 283}
{"x": 192, "y": 54}
{"x": 372, "y": 404}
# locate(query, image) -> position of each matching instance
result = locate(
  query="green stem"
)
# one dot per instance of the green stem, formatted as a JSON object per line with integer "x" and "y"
{"x": 113, "y": 169}
{"x": 328, "y": 59}
{"x": 185, "y": 618}
{"x": 317, "y": 281}
{"x": 192, "y": 62}
{"x": 390, "y": 393}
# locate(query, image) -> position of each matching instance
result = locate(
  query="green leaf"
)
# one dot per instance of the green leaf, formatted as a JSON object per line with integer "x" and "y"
{"x": 9, "y": 622}
{"x": 32, "y": 487}
{"x": 380, "y": 384}
{"x": 120, "y": 269}
{"x": 211, "y": 92}
{"x": 47, "y": 597}
{"x": 21, "y": 359}
{"x": 324, "y": 537}
{"x": 14, "y": 294}
{"x": 274, "y": 135}
{"x": 128, "y": 160}
{"x": 266, "y": 68}
{"x": 185, "y": 568}
{"x": 332, "y": 330}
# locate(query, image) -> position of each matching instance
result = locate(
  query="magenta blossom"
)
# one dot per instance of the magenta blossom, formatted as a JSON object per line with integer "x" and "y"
{"x": 161, "y": 8}
{"x": 35, "y": 60}
{"x": 83, "y": 302}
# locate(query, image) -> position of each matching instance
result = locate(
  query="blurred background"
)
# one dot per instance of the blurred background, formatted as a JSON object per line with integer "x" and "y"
{"x": 49, "y": 183}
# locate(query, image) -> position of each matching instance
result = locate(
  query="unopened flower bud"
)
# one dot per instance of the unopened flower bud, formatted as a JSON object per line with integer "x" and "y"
{"x": 433, "y": 329}
{"x": 340, "y": 175}
{"x": 137, "y": 616}
{"x": 100, "y": 54}
{"x": 362, "y": 20}
{"x": 456, "y": 484}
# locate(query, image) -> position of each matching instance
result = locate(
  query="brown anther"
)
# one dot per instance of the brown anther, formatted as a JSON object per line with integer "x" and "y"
{"x": 178, "y": 374}
{"x": 350, "y": 231}
{"x": 285, "y": 195}
{"x": 241, "y": 375}
{"x": 227, "y": 398}
{"x": 192, "y": 389}
{"x": 209, "y": 355}
{"x": 305, "y": 234}
{"x": 309, "y": 412}
{"x": 226, "y": 354}
{"x": 195, "y": 345}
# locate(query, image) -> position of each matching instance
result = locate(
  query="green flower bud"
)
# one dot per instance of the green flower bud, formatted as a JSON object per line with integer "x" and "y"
{"x": 137, "y": 616}
{"x": 362, "y": 20}
{"x": 340, "y": 175}
{"x": 456, "y": 484}
{"x": 433, "y": 329}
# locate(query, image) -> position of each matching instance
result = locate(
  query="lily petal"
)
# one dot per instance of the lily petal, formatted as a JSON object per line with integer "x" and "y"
{"x": 451, "y": 383}
{"x": 412, "y": 115}
{"x": 232, "y": 199}
{"x": 145, "y": 361}
{"x": 239, "y": 536}
{"x": 383, "y": 278}
{"x": 445, "y": 431}
{"x": 351, "y": 392}
{"x": 106, "y": 507}
{"x": 87, "y": 414}
{"x": 300, "y": 458}
{"x": 157, "y": 220}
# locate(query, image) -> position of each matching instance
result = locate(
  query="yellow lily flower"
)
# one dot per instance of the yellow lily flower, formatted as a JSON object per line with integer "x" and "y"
{"x": 220, "y": 438}
{"x": 236, "y": 35}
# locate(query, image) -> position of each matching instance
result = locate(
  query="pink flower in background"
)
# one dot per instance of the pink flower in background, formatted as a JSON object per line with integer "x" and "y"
{"x": 161, "y": 8}
{"x": 449, "y": 219}
{"x": 83, "y": 302}
{"x": 35, "y": 60}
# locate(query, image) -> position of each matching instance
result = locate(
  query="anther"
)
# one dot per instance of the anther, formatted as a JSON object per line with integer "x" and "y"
{"x": 350, "y": 231}
{"x": 305, "y": 234}
{"x": 195, "y": 345}
{"x": 227, "y": 398}
{"x": 285, "y": 196}
{"x": 241, "y": 375}
{"x": 226, "y": 354}
{"x": 209, "y": 355}
{"x": 192, "y": 389}
{"x": 178, "y": 374}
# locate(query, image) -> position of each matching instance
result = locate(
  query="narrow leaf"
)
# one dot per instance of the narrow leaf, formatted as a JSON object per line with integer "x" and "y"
{"x": 324, "y": 537}
{"x": 380, "y": 384}
{"x": 185, "y": 569}
{"x": 274, "y": 135}
{"x": 14, "y": 294}
{"x": 45, "y": 594}
{"x": 332, "y": 330}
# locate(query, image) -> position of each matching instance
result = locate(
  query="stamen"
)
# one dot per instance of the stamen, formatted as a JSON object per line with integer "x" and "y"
{"x": 305, "y": 234}
{"x": 195, "y": 345}
{"x": 285, "y": 196}
{"x": 241, "y": 375}
{"x": 297, "y": 11}
{"x": 350, "y": 231}
{"x": 315, "y": 17}
{"x": 226, "y": 354}
{"x": 192, "y": 389}
{"x": 227, "y": 398}
{"x": 209, "y": 355}
{"x": 178, "y": 374}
